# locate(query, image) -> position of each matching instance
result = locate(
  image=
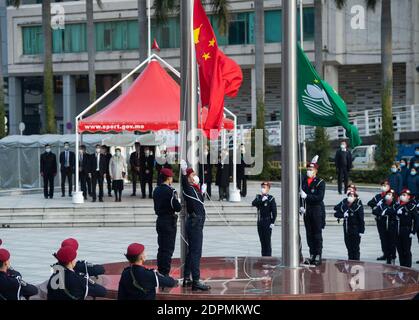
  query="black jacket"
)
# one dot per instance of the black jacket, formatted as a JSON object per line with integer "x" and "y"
{"x": 386, "y": 213}
{"x": 103, "y": 164}
{"x": 93, "y": 270}
{"x": 343, "y": 160}
{"x": 224, "y": 172}
{"x": 194, "y": 198}
{"x": 147, "y": 163}
{"x": 135, "y": 160}
{"x": 354, "y": 222}
{"x": 139, "y": 283}
{"x": 85, "y": 163}
{"x": 165, "y": 201}
{"x": 315, "y": 192}
{"x": 378, "y": 199}
{"x": 266, "y": 208}
{"x": 11, "y": 283}
{"x": 205, "y": 171}
{"x": 48, "y": 163}
{"x": 407, "y": 216}
{"x": 71, "y": 160}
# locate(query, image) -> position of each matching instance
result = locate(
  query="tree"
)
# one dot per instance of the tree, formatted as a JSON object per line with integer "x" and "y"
{"x": 16, "y": 4}
{"x": 321, "y": 147}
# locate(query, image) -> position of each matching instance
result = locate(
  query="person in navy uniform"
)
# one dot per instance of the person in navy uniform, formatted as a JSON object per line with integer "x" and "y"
{"x": 407, "y": 226}
{"x": 413, "y": 183}
{"x": 48, "y": 165}
{"x": 193, "y": 195}
{"x": 67, "y": 284}
{"x": 395, "y": 179}
{"x": 67, "y": 168}
{"x": 267, "y": 212}
{"x": 312, "y": 207}
{"x": 166, "y": 206}
{"x": 99, "y": 168}
{"x": 205, "y": 170}
{"x": 146, "y": 172}
{"x": 385, "y": 210}
{"x": 83, "y": 267}
{"x": 415, "y": 159}
{"x": 138, "y": 282}
{"x": 404, "y": 171}
{"x": 84, "y": 171}
{"x": 135, "y": 163}
{"x": 12, "y": 287}
{"x": 343, "y": 163}
{"x": 351, "y": 210}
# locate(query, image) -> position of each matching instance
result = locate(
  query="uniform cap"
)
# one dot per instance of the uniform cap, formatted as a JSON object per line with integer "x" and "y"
{"x": 166, "y": 172}
{"x": 266, "y": 183}
{"x": 66, "y": 254}
{"x": 4, "y": 254}
{"x": 312, "y": 165}
{"x": 189, "y": 171}
{"x": 406, "y": 191}
{"x": 135, "y": 249}
{"x": 71, "y": 242}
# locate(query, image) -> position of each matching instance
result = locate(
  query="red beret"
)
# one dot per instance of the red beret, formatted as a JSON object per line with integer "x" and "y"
{"x": 4, "y": 255}
{"x": 406, "y": 191}
{"x": 66, "y": 254}
{"x": 385, "y": 182}
{"x": 135, "y": 249}
{"x": 266, "y": 183}
{"x": 71, "y": 242}
{"x": 189, "y": 171}
{"x": 166, "y": 172}
{"x": 311, "y": 165}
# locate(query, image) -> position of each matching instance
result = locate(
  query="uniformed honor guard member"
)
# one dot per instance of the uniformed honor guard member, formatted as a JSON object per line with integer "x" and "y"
{"x": 138, "y": 282}
{"x": 48, "y": 165}
{"x": 381, "y": 223}
{"x": 12, "y": 287}
{"x": 193, "y": 194}
{"x": 83, "y": 267}
{"x": 67, "y": 284}
{"x": 351, "y": 210}
{"x": 267, "y": 212}
{"x": 312, "y": 195}
{"x": 407, "y": 226}
{"x": 166, "y": 205}
{"x": 386, "y": 211}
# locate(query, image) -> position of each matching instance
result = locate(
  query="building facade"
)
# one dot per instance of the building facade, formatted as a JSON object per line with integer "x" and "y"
{"x": 352, "y": 56}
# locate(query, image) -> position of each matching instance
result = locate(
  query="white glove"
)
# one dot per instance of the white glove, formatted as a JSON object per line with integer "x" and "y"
{"x": 384, "y": 212}
{"x": 183, "y": 166}
{"x": 303, "y": 194}
{"x": 302, "y": 210}
{"x": 271, "y": 226}
{"x": 264, "y": 198}
{"x": 380, "y": 202}
{"x": 411, "y": 235}
{"x": 345, "y": 214}
{"x": 360, "y": 235}
{"x": 400, "y": 211}
{"x": 204, "y": 188}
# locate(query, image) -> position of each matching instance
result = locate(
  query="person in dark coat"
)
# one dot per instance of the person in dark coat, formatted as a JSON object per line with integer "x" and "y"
{"x": 108, "y": 157}
{"x": 395, "y": 179}
{"x": 224, "y": 173}
{"x": 66, "y": 284}
{"x": 386, "y": 211}
{"x": 415, "y": 159}
{"x": 343, "y": 163}
{"x": 407, "y": 225}
{"x": 84, "y": 171}
{"x": 98, "y": 171}
{"x": 166, "y": 206}
{"x": 205, "y": 170}
{"x": 193, "y": 194}
{"x": 48, "y": 171}
{"x": 138, "y": 282}
{"x": 162, "y": 161}
{"x": 266, "y": 212}
{"x": 12, "y": 286}
{"x": 135, "y": 163}
{"x": 404, "y": 171}
{"x": 413, "y": 183}
{"x": 67, "y": 168}
{"x": 351, "y": 210}
{"x": 241, "y": 173}
{"x": 312, "y": 207}
{"x": 146, "y": 172}
{"x": 376, "y": 201}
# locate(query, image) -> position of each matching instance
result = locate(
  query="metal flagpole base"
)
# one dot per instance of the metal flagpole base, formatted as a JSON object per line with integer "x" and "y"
{"x": 78, "y": 197}
{"x": 234, "y": 195}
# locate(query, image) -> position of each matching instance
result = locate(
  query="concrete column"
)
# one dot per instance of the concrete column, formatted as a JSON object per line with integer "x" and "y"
{"x": 331, "y": 76}
{"x": 127, "y": 83}
{"x": 253, "y": 96}
{"x": 15, "y": 104}
{"x": 412, "y": 75}
{"x": 69, "y": 102}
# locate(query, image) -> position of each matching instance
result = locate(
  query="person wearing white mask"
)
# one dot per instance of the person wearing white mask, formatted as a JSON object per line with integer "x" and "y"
{"x": 312, "y": 207}
{"x": 48, "y": 166}
{"x": 395, "y": 178}
{"x": 351, "y": 211}
{"x": 266, "y": 213}
{"x": 343, "y": 163}
{"x": 415, "y": 159}
{"x": 67, "y": 168}
{"x": 117, "y": 171}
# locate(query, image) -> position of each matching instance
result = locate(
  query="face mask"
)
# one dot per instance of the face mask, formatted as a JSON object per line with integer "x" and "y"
{"x": 416, "y": 165}
{"x": 394, "y": 170}
{"x": 343, "y": 146}
{"x": 196, "y": 180}
{"x": 384, "y": 188}
{"x": 402, "y": 164}
{"x": 417, "y": 153}
{"x": 48, "y": 150}
{"x": 412, "y": 173}
{"x": 97, "y": 150}
{"x": 66, "y": 147}
{"x": 147, "y": 153}
{"x": 118, "y": 153}
{"x": 351, "y": 199}
{"x": 264, "y": 191}
{"x": 404, "y": 198}
{"x": 206, "y": 152}
{"x": 310, "y": 174}
{"x": 81, "y": 151}
{"x": 388, "y": 197}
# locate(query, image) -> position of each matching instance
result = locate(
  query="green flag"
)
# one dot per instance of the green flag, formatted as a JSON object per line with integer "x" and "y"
{"x": 318, "y": 103}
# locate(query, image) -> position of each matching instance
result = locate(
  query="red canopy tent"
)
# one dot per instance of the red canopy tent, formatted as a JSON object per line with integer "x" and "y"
{"x": 151, "y": 103}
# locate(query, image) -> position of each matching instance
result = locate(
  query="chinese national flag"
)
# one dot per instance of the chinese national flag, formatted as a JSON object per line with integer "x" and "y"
{"x": 218, "y": 74}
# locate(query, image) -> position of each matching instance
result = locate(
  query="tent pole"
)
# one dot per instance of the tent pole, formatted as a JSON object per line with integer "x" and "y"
{"x": 149, "y": 27}
{"x": 77, "y": 155}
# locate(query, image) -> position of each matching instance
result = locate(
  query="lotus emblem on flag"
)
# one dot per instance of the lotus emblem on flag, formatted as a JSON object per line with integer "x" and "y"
{"x": 315, "y": 99}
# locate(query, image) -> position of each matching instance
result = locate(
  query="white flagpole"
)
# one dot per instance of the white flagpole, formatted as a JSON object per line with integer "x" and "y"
{"x": 149, "y": 27}
{"x": 302, "y": 128}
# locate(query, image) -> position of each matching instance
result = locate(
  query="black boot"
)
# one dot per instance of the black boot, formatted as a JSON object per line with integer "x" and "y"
{"x": 317, "y": 260}
{"x": 310, "y": 260}
{"x": 187, "y": 283}
{"x": 198, "y": 285}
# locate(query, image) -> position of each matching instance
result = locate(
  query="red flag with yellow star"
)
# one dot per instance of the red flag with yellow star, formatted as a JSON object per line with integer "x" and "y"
{"x": 218, "y": 74}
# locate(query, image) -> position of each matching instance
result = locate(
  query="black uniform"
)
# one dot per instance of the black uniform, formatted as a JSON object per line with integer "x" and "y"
{"x": 166, "y": 205}
{"x": 407, "y": 223}
{"x": 74, "y": 287}
{"x": 98, "y": 170}
{"x": 48, "y": 171}
{"x": 387, "y": 214}
{"x": 314, "y": 217}
{"x": 67, "y": 168}
{"x": 381, "y": 222}
{"x": 205, "y": 174}
{"x": 12, "y": 287}
{"x": 267, "y": 212}
{"x": 93, "y": 270}
{"x": 241, "y": 177}
{"x": 353, "y": 225}
{"x": 139, "y": 283}
{"x": 194, "y": 228}
{"x": 84, "y": 170}
{"x": 135, "y": 163}
{"x": 343, "y": 163}
{"x": 146, "y": 174}
{"x": 224, "y": 172}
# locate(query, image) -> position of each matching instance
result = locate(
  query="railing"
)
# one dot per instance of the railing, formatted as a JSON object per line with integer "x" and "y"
{"x": 368, "y": 122}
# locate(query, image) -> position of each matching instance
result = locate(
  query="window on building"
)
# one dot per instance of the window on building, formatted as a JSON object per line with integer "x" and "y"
{"x": 168, "y": 34}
